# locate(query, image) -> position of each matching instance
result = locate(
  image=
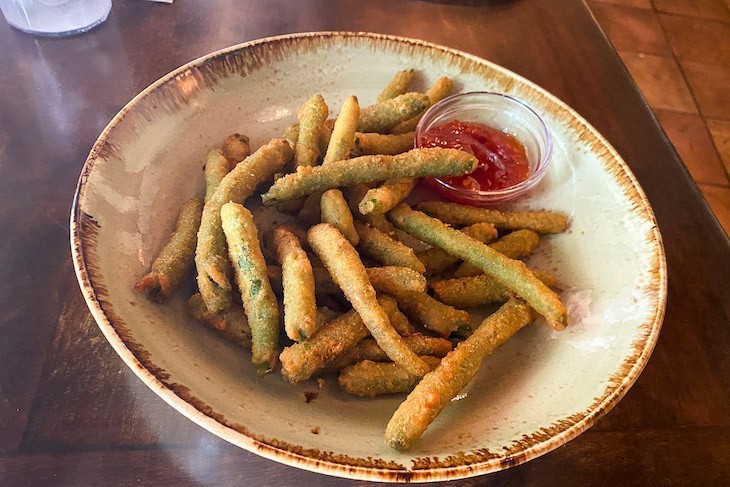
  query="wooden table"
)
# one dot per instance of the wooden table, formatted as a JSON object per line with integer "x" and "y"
{"x": 72, "y": 413}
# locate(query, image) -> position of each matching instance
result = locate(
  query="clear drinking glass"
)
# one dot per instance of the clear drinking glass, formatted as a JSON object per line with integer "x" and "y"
{"x": 55, "y": 18}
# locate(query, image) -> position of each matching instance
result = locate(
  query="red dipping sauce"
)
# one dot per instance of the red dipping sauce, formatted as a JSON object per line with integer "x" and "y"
{"x": 502, "y": 159}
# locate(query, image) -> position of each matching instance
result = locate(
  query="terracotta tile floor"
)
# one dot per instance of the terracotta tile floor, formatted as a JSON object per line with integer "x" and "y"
{"x": 678, "y": 52}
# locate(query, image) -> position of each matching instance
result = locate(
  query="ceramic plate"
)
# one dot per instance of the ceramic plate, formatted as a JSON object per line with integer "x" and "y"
{"x": 532, "y": 395}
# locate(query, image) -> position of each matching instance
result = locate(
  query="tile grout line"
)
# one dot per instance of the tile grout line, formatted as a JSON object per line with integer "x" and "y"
{"x": 692, "y": 95}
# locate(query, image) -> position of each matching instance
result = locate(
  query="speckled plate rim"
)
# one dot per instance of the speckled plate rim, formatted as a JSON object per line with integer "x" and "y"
{"x": 569, "y": 427}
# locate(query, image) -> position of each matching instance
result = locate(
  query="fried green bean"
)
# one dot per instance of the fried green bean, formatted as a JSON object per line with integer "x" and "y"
{"x": 461, "y": 215}
{"x": 370, "y": 379}
{"x": 433, "y": 314}
{"x": 386, "y": 250}
{"x": 311, "y": 116}
{"x": 512, "y": 273}
{"x": 437, "y": 260}
{"x": 389, "y": 144}
{"x": 383, "y": 115}
{"x": 380, "y": 200}
{"x": 394, "y": 279}
{"x": 343, "y": 133}
{"x": 470, "y": 292}
{"x": 367, "y": 169}
{"x": 437, "y": 92}
{"x": 231, "y": 324}
{"x": 397, "y": 85}
{"x": 334, "y": 210}
{"x": 176, "y": 257}
{"x": 434, "y": 392}
{"x": 216, "y": 168}
{"x": 304, "y": 359}
{"x": 210, "y": 255}
{"x": 236, "y": 148}
{"x": 291, "y": 134}
{"x": 516, "y": 245}
{"x": 368, "y": 349}
{"x": 353, "y": 196}
{"x": 259, "y": 302}
{"x": 348, "y": 272}
{"x": 300, "y": 306}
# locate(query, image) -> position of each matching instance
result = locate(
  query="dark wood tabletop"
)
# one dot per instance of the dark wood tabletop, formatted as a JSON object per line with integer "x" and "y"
{"x": 72, "y": 413}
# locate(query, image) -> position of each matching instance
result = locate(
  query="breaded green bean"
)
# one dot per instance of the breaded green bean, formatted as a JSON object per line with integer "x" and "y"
{"x": 516, "y": 245}
{"x": 512, "y": 273}
{"x": 386, "y": 250}
{"x": 383, "y": 115}
{"x": 300, "y": 306}
{"x": 437, "y": 92}
{"x": 397, "y": 85}
{"x": 304, "y": 359}
{"x": 216, "y": 168}
{"x": 388, "y": 144}
{"x": 353, "y": 196}
{"x": 259, "y": 302}
{"x": 325, "y": 315}
{"x": 380, "y": 200}
{"x": 367, "y": 169}
{"x": 177, "y": 256}
{"x": 370, "y": 379}
{"x": 343, "y": 133}
{"x": 394, "y": 279}
{"x": 236, "y": 148}
{"x": 461, "y": 215}
{"x": 311, "y": 116}
{"x": 210, "y": 255}
{"x": 348, "y": 272}
{"x": 291, "y": 134}
{"x": 334, "y": 210}
{"x": 368, "y": 349}
{"x": 230, "y": 324}
{"x": 470, "y": 292}
{"x": 434, "y": 392}
{"x": 433, "y": 314}
{"x": 437, "y": 260}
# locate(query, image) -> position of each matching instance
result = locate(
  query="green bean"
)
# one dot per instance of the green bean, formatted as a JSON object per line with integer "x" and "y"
{"x": 300, "y": 307}
{"x": 259, "y": 302}
{"x": 395, "y": 279}
{"x": 231, "y": 324}
{"x": 516, "y": 245}
{"x": 370, "y": 379}
{"x": 433, "y": 314}
{"x": 371, "y": 143}
{"x": 177, "y": 256}
{"x": 437, "y": 92}
{"x": 368, "y": 349}
{"x": 434, "y": 392}
{"x": 216, "y": 168}
{"x": 367, "y": 169}
{"x": 343, "y": 133}
{"x": 512, "y": 273}
{"x": 236, "y": 148}
{"x": 353, "y": 196}
{"x": 397, "y": 85}
{"x": 210, "y": 255}
{"x": 437, "y": 260}
{"x": 470, "y": 292}
{"x": 386, "y": 250}
{"x": 460, "y": 215}
{"x": 312, "y": 116}
{"x": 380, "y": 200}
{"x": 348, "y": 272}
{"x": 304, "y": 359}
{"x": 334, "y": 210}
{"x": 383, "y": 115}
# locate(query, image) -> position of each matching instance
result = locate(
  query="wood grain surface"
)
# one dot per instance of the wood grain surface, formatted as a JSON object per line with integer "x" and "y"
{"x": 71, "y": 413}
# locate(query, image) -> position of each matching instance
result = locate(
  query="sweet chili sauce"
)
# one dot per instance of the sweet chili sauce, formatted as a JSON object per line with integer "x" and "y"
{"x": 502, "y": 159}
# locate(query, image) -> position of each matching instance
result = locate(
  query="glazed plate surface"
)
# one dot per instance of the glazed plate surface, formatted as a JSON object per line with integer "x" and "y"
{"x": 532, "y": 395}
